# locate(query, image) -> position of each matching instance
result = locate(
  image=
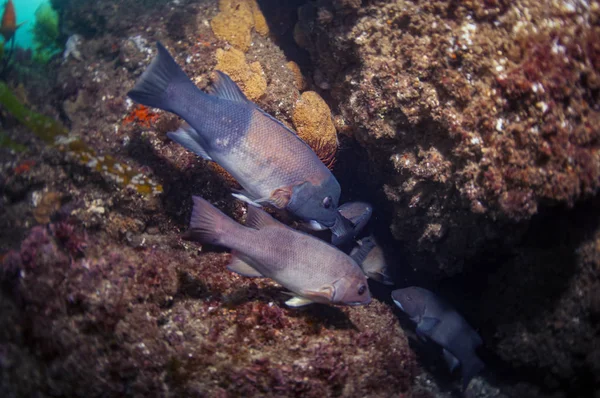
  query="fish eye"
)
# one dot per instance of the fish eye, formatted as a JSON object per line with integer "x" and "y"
{"x": 327, "y": 202}
{"x": 361, "y": 290}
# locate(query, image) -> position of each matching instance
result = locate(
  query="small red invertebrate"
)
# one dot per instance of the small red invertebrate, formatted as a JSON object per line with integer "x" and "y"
{"x": 24, "y": 167}
{"x": 141, "y": 115}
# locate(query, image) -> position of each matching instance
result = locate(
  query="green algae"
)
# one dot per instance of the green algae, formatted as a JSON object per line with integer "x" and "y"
{"x": 7, "y": 142}
{"x": 46, "y": 33}
{"x": 57, "y": 135}
{"x": 44, "y": 127}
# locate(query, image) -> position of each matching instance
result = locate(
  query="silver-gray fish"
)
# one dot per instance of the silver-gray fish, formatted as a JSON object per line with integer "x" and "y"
{"x": 313, "y": 270}
{"x": 369, "y": 255}
{"x": 439, "y": 322}
{"x": 271, "y": 163}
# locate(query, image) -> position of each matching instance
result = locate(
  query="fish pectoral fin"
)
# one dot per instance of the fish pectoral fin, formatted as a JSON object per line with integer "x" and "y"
{"x": 280, "y": 197}
{"x": 323, "y": 294}
{"x": 188, "y": 137}
{"x": 224, "y": 87}
{"x": 427, "y": 324}
{"x": 297, "y": 301}
{"x": 451, "y": 360}
{"x": 245, "y": 196}
{"x": 258, "y": 219}
{"x": 243, "y": 265}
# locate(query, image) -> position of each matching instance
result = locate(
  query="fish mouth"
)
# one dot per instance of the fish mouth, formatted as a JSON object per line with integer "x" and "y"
{"x": 357, "y": 303}
{"x": 399, "y": 305}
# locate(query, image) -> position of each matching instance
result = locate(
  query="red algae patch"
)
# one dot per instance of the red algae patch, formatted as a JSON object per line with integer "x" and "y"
{"x": 180, "y": 314}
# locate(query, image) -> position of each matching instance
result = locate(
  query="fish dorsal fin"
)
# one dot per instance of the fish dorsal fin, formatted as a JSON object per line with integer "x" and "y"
{"x": 360, "y": 252}
{"x": 258, "y": 219}
{"x": 279, "y": 122}
{"x": 243, "y": 265}
{"x": 188, "y": 137}
{"x": 224, "y": 87}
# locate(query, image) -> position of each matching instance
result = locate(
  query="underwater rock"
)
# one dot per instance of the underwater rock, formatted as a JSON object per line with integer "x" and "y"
{"x": 152, "y": 320}
{"x": 109, "y": 300}
{"x": 545, "y": 303}
{"x": 472, "y": 114}
{"x": 47, "y": 204}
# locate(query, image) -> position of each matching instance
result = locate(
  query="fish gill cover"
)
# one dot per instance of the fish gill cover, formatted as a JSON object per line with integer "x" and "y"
{"x": 470, "y": 128}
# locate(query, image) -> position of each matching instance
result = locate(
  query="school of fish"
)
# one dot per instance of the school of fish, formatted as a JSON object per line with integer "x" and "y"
{"x": 277, "y": 169}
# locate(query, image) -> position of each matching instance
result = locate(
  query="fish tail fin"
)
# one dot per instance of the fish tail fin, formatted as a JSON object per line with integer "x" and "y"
{"x": 470, "y": 370}
{"x": 208, "y": 224}
{"x": 151, "y": 88}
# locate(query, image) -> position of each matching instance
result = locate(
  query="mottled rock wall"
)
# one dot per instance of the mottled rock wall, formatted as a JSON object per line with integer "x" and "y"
{"x": 479, "y": 122}
{"x": 476, "y": 113}
{"x": 101, "y": 296}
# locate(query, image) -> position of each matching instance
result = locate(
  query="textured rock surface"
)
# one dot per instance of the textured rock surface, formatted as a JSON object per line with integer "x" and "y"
{"x": 100, "y": 295}
{"x": 473, "y": 113}
{"x": 472, "y": 127}
{"x": 165, "y": 319}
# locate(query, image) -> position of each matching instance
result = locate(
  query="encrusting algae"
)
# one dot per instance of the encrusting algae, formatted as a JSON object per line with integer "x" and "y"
{"x": 55, "y": 134}
{"x": 312, "y": 120}
{"x": 299, "y": 80}
{"x": 250, "y": 77}
{"x": 235, "y": 21}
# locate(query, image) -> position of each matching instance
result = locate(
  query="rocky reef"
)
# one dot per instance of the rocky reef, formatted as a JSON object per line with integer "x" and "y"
{"x": 474, "y": 115}
{"x": 470, "y": 126}
{"x": 88, "y": 316}
{"x": 478, "y": 121}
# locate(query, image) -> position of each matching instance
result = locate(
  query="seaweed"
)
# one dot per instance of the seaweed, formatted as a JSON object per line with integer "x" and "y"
{"x": 55, "y": 134}
{"x": 45, "y": 34}
{"x": 7, "y": 142}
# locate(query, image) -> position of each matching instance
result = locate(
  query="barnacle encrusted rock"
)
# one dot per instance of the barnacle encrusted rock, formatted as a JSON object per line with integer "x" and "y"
{"x": 250, "y": 77}
{"x": 312, "y": 120}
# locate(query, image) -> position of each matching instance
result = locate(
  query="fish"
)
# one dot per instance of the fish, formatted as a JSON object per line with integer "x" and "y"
{"x": 311, "y": 269}
{"x": 439, "y": 322}
{"x": 271, "y": 163}
{"x": 369, "y": 255}
{"x": 9, "y": 26}
{"x": 359, "y": 214}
